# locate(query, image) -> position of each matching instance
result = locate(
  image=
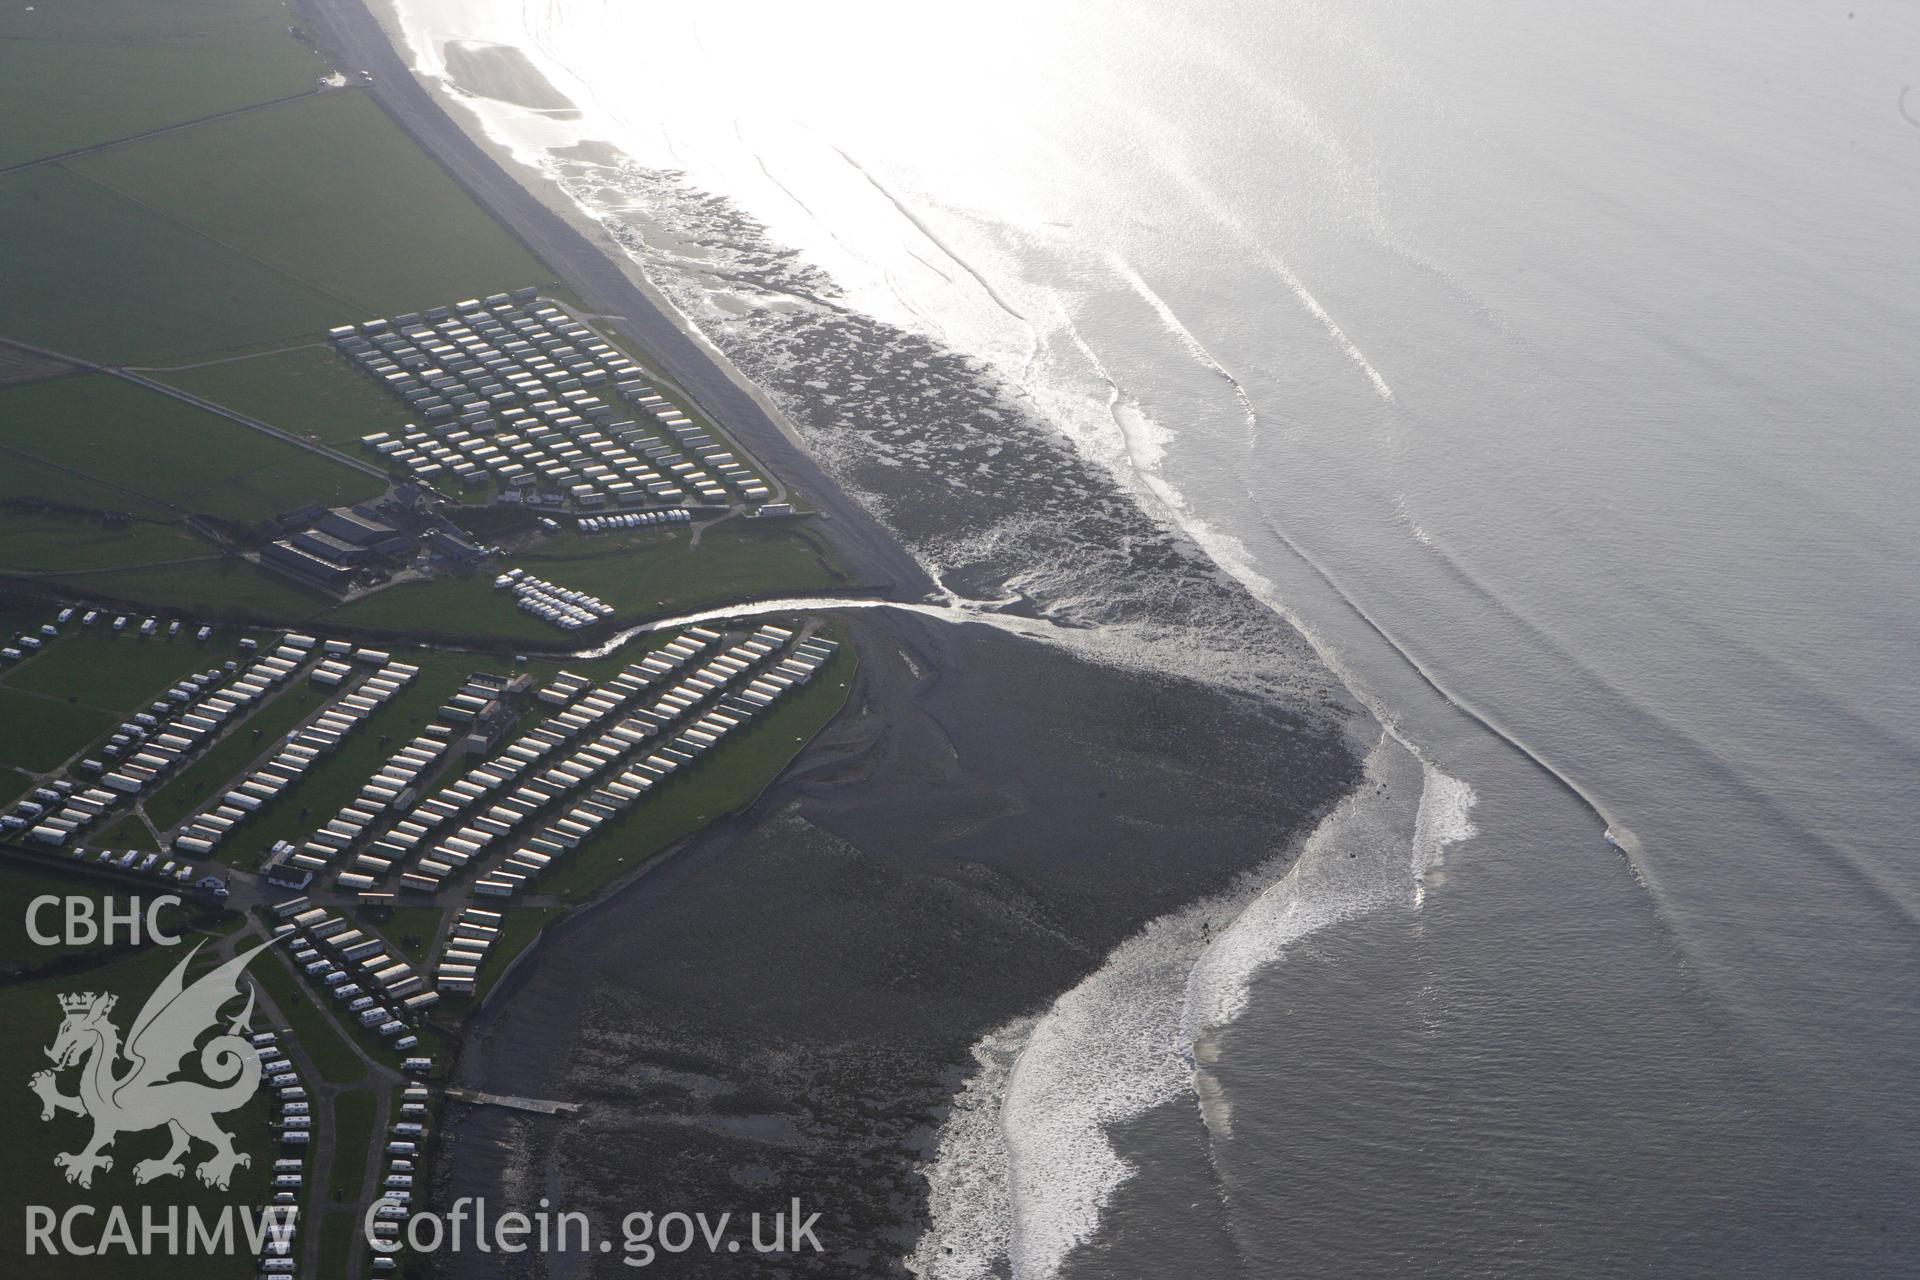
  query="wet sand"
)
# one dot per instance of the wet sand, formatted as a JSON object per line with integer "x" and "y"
{"x": 783, "y": 1007}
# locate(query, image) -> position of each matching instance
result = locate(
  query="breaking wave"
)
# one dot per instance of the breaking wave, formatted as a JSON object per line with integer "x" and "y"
{"x": 1024, "y": 1164}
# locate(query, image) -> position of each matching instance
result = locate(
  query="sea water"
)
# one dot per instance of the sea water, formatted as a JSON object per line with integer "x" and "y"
{"x": 1552, "y": 367}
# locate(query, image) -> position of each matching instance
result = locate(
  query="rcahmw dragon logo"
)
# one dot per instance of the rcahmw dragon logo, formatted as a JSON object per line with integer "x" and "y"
{"x": 144, "y": 1095}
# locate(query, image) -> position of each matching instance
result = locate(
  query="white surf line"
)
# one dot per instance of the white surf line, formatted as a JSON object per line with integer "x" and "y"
{"x": 1274, "y": 263}
{"x": 1139, "y": 466}
{"x": 1304, "y": 296}
{"x": 1166, "y": 156}
{"x": 1339, "y": 335}
{"x": 1323, "y": 884}
{"x": 761, "y": 162}
{"x": 1024, "y": 1164}
{"x": 932, "y": 237}
{"x": 970, "y": 1236}
{"x": 1186, "y": 337}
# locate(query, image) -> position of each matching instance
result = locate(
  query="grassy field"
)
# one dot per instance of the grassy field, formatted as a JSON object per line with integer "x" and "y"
{"x": 734, "y": 559}
{"x": 33, "y": 542}
{"x": 22, "y": 958}
{"x": 209, "y": 776}
{"x": 390, "y": 232}
{"x": 28, "y": 1144}
{"x": 446, "y": 607}
{"x": 38, "y": 733}
{"x": 13, "y": 785}
{"x": 127, "y": 436}
{"x": 336, "y": 1241}
{"x": 118, "y": 672}
{"x": 353, "y": 1114}
{"x": 83, "y": 684}
{"x": 307, "y": 390}
{"x": 336, "y": 1062}
{"x": 78, "y": 74}
{"x": 413, "y": 929}
{"x": 227, "y": 588}
{"x": 112, "y": 281}
{"x": 16, "y": 613}
{"x": 20, "y": 885}
{"x": 127, "y": 833}
{"x": 21, "y": 476}
{"x": 640, "y": 575}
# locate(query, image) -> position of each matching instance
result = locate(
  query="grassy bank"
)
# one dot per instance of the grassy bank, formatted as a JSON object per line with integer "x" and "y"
{"x": 390, "y": 232}
{"x": 306, "y": 1018}
{"x": 120, "y": 672}
{"x": 223, "y": 763}
{"x": 166, "y": 63}
{"x": 226, "y": 588}
{"x": 308, "y": 390}
{"x": 33, "y": 542}
{"x": 113, "y": 432}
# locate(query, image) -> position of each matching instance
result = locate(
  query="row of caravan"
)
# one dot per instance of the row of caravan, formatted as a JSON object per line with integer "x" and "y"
{"x": 635, "y": 520}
